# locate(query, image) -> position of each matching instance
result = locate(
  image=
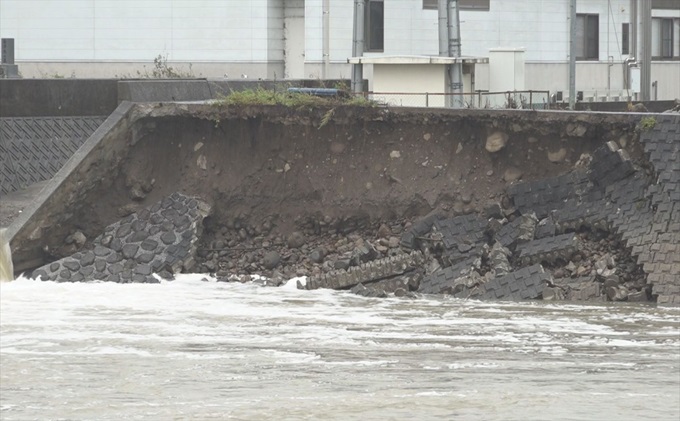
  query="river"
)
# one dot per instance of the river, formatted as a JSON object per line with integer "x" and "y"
{"x": 203, "y": 350}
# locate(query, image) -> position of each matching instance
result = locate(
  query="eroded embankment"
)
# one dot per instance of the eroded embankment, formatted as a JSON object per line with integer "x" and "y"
{"x": 307, "y": 192}
{"x": 279, "y": 163}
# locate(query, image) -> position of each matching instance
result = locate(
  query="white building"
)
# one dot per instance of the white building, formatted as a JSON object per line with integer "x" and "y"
{"x": 313, "y": 38}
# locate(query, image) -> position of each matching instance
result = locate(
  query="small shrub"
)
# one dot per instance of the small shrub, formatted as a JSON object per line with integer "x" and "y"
{"x": 646, "y": 124}
{"x": 161, "y": 70}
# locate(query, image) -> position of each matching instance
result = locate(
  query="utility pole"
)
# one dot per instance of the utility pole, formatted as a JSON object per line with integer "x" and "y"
{"x": 358, "y": 46}
{"x": 455, "y": 69}
{"x": 572, "y": 54}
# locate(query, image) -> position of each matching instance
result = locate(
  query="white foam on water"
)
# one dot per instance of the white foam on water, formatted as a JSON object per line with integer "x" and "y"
{"x": 458, "y": 366}
{"x": 357, "y": 363}
{"x": 250, "y": 352}
{"x": 291, "y": 284}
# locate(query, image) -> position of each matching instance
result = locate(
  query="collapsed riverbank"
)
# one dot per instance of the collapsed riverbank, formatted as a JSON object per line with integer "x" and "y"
{"x": 463, "y": 203}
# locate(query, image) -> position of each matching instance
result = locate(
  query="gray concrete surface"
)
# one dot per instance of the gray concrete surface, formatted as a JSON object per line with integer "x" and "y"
{"x": 33, "y": 149}
{"x": 68, "y": 187}
{"x": 57, "y": 97}
{"x": 13, "y": 204}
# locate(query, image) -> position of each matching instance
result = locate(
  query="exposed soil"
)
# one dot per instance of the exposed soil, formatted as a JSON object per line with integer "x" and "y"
{"x": 272, "y": 174}
{"x": 281, "y": 166}
{"x": 307, "y": 191}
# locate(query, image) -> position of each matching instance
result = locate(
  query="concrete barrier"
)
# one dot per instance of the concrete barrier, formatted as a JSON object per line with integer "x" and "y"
{"x": 163, "y": 90}
{"x": 57, "y": 97}
{"x": 6, "y": 267}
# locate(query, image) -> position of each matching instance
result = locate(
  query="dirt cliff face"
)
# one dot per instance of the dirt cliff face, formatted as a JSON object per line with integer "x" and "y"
{"x": 283, "y": 165}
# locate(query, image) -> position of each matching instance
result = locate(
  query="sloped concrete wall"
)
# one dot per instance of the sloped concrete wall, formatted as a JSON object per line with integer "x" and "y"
{"x": 33, "y": 149}
{"x": 89, "y": 167}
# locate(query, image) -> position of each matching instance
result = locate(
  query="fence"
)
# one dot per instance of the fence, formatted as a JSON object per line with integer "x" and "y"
{"x": 512, "y": 99}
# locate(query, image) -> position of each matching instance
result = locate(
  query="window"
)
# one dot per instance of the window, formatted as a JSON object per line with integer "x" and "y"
{"x": 587, "y": 37}
{"x": 625, "y": 38}
{"x": 462, "y": 4}
{"x": 374, "y": 32}
{"x": 666, "y": 4}
{"x": 473, "y": 4}
{"x": 665, "y": 42}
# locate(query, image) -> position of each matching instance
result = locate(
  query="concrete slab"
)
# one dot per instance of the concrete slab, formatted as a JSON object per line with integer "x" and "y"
{"x": 33, "y": 149}
{"x": 80, "y": 173}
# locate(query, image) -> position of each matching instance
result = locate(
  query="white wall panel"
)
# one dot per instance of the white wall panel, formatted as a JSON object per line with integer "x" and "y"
{"x": 314, "y": 30}
{"x": 131, "y": 30}
{"x": 251, "y": 31}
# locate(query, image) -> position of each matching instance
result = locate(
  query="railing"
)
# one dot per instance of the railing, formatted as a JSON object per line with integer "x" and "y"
{"x": 480, "y": 99}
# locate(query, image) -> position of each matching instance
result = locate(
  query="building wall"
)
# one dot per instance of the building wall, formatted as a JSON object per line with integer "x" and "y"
{"x": 410, "y": 78}
{"x": 253, "y": 39}
{"x": 539, "y": 26}
{"x": 203, "y": 32}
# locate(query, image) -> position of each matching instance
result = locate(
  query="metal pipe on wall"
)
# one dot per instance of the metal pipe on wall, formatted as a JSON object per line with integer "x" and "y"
{"x": 325, "y": 23}
{"x": 455, "y": 69}
{"x": 645, "y": 49}
{"x": 358, "y": 46}
{"x": 572, "y": 54}
{"x": 633, "y": 28}
{"x": 443, "y": 15}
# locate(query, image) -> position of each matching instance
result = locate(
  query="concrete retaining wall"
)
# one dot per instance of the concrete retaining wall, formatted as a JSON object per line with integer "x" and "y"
{"x": 90, "y": 167}
{"x": 57, "y": 97}
{"x": 95, "y": 97}
{"x": 33, "y": 149}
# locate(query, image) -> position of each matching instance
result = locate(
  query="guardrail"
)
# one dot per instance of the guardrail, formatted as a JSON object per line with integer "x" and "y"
{"x": 480, "y": 99}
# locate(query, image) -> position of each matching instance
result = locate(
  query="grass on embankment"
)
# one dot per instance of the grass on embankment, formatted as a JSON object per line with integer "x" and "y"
{"x": 290, "y": 99}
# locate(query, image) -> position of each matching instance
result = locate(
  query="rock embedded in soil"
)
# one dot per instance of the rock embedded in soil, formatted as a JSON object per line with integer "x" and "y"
{"x": 557, "y": 156}
{"x": 496, "y": 141}
{"x": 512, "y": 174}
{"x": 296, "y": 240}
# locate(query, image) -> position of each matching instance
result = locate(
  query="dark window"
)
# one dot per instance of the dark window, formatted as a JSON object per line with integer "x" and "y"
{"x": 666, "y": 4}
{"x": 430, "y": 4}
{"x": 462, "y": 4}
{"x": 587, "y": 37}
{"x": 474, "y": 4}
{"x": 625, "y": 38}
{"x": 375, "y": 25}
{"x": 664, "y": 42}
{"x": 666, "y": 38}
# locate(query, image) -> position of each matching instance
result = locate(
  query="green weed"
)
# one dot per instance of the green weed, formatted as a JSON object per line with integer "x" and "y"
{"x": 261, "y": 96}
{"x": 646, "y": 124}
